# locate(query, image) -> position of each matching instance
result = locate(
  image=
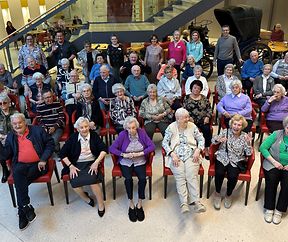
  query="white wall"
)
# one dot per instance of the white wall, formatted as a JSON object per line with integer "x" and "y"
{"x": 16, "y": 13}
{"x": 34, "y": 8}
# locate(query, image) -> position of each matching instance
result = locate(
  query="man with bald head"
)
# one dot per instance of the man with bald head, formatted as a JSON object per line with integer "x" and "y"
{"x": 102, "y": 87}
{"x": 136, "y": 84}
{"x": 250, "y": 70}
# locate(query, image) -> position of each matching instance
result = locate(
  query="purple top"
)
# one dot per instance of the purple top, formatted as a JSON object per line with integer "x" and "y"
{"x": 277, "y": 110}
{"x": 121, "y": 143}
{"x": 232, "y": 104}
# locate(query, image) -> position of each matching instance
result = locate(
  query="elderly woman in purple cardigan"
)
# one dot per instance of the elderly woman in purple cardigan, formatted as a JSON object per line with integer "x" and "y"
{"x": 132, "y": 145}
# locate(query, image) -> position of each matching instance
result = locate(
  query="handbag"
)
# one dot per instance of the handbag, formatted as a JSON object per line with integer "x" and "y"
{"x": 242, "y": 164}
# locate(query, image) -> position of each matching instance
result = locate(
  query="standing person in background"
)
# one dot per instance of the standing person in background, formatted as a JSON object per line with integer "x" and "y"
{"x": 225, "y": 47}
{"x": 115, "y": 56}
{"x": 87, "y": 58}
{"x": 177, "y": 50}
{"x": 154, "y": 58}
{"x": 195, "y": 47}
{"x": 9, "y": 30}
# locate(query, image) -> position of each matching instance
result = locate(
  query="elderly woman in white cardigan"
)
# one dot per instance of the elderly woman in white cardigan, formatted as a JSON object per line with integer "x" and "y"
{"x": 183, "y": 143}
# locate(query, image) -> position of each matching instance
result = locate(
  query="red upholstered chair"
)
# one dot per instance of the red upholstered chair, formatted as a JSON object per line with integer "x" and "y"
{"x": 254, "y": 105}
{"x": 66, "y": 178}
{"x": 245, "y": 177}
{"x": 109, "y": 125}
{"x": 103, "y": 131}
{"x": 14, "y": 101}
{"x": 42, "y": 179}
{"x": 167, "y": 172}
{"x": 66, "y": 131}
{"x": 263, "y": 128}
{"x": 29, "y": 110}
{"x": 261, "y": 176}
{"x": 116, "y": 172}
{"x": 215, "y": 101}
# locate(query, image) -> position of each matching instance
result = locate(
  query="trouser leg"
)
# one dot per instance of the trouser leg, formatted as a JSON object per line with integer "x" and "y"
{"x": 56, "y": 137}
{"x": 141, "y": 174}
{"x": 282, "y": 202}
{"x": 272, "y": 178}
{"x": 163, "y": 126}
{"x": 205, "y": 129}
{"x": 232, "y": 178}
{"x": 219, "y": 175}
{"x": 191, "y": 173}
{"x": 127, "y": 174}
{"x": 150, "y": 129}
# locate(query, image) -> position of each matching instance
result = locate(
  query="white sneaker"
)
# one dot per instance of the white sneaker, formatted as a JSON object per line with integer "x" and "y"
{"x": 217, "y": 201}
{"x": 199, "y": 207}
{"x": 277, "y": 217}
{"x": 227, "y": 202}
{"x": 268, "y": 215}
{"x": 184, "y": 208}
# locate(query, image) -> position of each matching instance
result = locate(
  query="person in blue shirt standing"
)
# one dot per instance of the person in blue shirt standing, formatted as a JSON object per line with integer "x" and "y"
{"x": 195, "y": 47}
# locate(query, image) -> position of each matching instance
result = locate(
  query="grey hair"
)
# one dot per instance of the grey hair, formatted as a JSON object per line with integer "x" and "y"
{"x": 30, "y": 57}
{"x": 198, "y": 67}
{"x": 116, "y": 87}
{"x": 280, "y": 86}
{"x": 285, "y": 122}
{"x": 18, "y": 115}
{"x": 105, "y": 67}
{"x": 171, "y": 61}
{"x": 2, "y": 65}
{"x": 128, "y": 120}
{"x": 175, "y": 31}
{"x": 4, "y": 97}
{"x": 135, "y": 66}
{"x": 191, "y": 56}
{"x": 151, "y": 87}
{"x": 64, "y": 61}
{"x": 229, "y": 66}
{"x": 85, "y": 85}
{"x": 38, "y": 75}
{"x": 236, "y": 82}
{"x": 268, "y": 65}
{"x": 80, "y": 121}
{"x": 181, "y": 112}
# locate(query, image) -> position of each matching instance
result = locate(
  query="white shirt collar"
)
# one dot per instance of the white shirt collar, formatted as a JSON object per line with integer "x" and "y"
{"x": 238, "y": 95}
{"x": 87, "y": 138}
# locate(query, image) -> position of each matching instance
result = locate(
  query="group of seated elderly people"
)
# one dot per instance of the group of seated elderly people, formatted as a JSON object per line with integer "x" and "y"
{"x": 137, "y": 110}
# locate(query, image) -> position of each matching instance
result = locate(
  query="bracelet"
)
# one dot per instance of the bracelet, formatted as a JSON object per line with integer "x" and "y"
{"x": 69, "y": 165}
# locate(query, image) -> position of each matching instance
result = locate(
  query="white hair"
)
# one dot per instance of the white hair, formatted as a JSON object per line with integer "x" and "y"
{"x": 282, "y": 89}
{"x": 198, "y": 67}
{"x": 116, "y": 87}
{"x": 236, "y": 83}
{"x": 38, "y": 75}
{"x": 151, "y": 87}
{"x": 181, "y": 112}
{"x": 79, "y": 121}
{"x": 18, "y": 115}
{"x": 65, "y": 61}
{"x": 85, "y": 85}
{"x": 128, "y": 120}
{"x": 171, "y": 61}
{"x": 4, "y": 97}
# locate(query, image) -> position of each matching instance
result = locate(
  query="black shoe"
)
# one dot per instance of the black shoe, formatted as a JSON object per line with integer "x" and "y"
{"x": 29, "y": 213}
{"x": 91, "y": 202}
{"x": 132, "y": 214}
{"x": 23, "y": 221}
{"x": 101, "y": 213}
{"x": 6, "y": 174}
{"x": 140, "y": 214}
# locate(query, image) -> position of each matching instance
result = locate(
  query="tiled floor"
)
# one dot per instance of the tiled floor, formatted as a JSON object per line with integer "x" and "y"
{"x": 164, "y": 222}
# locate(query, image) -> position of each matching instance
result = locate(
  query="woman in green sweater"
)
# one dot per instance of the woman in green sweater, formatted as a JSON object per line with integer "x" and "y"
{"x": 275, "y": 164}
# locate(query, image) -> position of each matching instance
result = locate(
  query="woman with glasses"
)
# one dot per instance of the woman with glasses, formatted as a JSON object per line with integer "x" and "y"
{"x": 5, "y": 126}
{"x": 31, "y": 49}
{"x": 87, "y": 58}
{"x": 154, "y": 58}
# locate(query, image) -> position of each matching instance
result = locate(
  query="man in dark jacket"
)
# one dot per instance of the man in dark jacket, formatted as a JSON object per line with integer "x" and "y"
{"x": 29, "y": 147}
{"x": 102, "y": 87}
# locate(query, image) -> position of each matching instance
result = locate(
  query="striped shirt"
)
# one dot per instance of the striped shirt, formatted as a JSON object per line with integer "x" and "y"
{"x": 50, "y": 115}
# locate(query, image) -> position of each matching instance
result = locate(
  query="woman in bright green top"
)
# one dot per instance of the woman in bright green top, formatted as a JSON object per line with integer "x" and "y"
{"x": 275, "y": 151}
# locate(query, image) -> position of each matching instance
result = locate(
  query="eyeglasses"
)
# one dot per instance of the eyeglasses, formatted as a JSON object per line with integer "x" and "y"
{"x": 3, "y": 103}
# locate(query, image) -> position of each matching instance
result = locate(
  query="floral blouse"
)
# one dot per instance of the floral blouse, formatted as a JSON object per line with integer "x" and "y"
{"x": 147, "y": 110}
{"x": 198, "y": 109}
{"x": 238, "y": 148}
{"x": 120, "y": 109}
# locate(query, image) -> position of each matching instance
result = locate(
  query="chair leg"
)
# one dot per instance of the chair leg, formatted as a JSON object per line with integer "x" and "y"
{"x": 50, "y": 193}
{"x": 261, "y": 139}
{"x": 253, "y": 139}
{"x": 247, "y": 192}
{"x": 208, "y": 186}
{"x": 104, "y": 189}
{"x": 66, "y": 192}
{"x": 165, "y": 186}
{"x": 106, "y": 139}
{"x": 56, "y": 173}
{"x": 114, "y": 187}
{"x": 201, "y": 185}
{"x": 258, "y": 188}
{"x": 150, "y": 187}
{"x": 219, "y": 127}
{"x": 12, "y": 193}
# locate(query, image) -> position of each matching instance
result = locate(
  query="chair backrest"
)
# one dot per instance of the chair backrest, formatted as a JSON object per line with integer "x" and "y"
{"x": 263, "y": 120}
{"x": 215, "y": 97}
{"x": 14, "y": 101}
{"x": 253, "y": 114}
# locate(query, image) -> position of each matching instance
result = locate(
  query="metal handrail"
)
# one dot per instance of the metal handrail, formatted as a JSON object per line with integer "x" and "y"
{"x": 34, "y": 20}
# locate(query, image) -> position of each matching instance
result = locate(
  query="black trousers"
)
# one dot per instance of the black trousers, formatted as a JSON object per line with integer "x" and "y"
{"x": 23, "y": 175}
{"x": 232, "y": 176}
{"x": 247, "y": 85}
{"x": 274, "y": 125}
{"x": 272, "y": 179}
{"x": 140, "y": 172}
{"x": 151, "y": 126}
{"x": 178, "y": 69}
{"x": 221, "y": 65}
{"x": 70, "y": 108}
{"x": 206, "y": 131}
{"x": 246, "y": 130}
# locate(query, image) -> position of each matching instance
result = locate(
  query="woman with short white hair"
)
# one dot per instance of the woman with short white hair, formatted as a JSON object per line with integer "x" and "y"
{"x": 82, "y": 154}
{"x": 276, "y": 108}
{"x": 132, "y": 147}
{"x": 183, "y": 143}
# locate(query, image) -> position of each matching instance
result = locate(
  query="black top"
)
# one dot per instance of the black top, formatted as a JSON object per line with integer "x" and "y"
{"x": 103, "y": 89}
{"x": 89, "y": 61}
{"x": 64, "y": 51}
{"x": 127, "y": 71}
{"x": 10, "y": 30}
{"x": 116, "y": 55}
